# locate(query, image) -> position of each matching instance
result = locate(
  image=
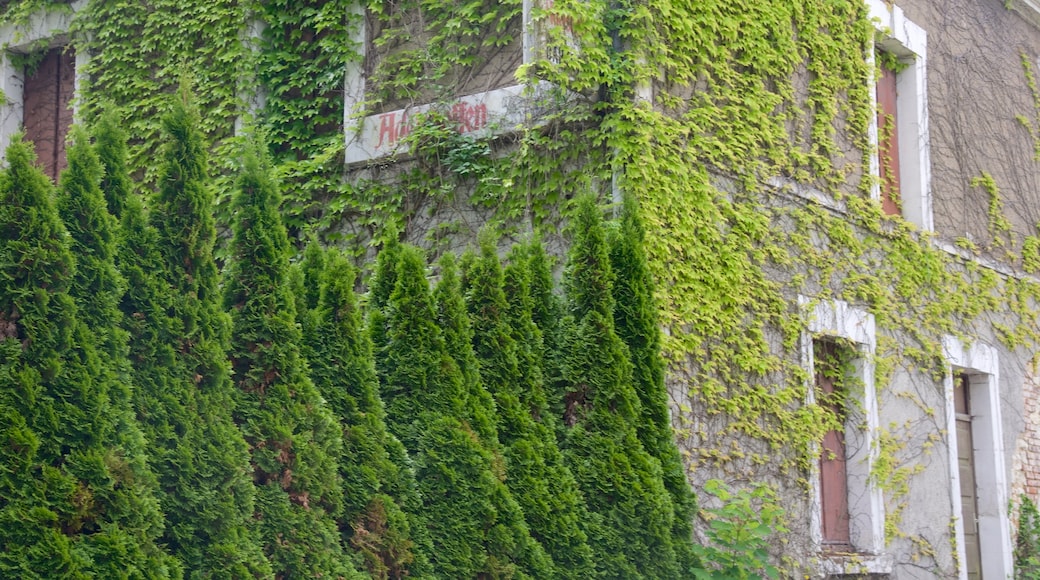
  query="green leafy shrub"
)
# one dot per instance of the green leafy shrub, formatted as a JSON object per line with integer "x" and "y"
{"x": 1027, "y": 546}
{"x": 382, "y": 510}
{"x": 76, "y": 498}
{"x": 178, "y": 350}
{"x": 739, "y": 533}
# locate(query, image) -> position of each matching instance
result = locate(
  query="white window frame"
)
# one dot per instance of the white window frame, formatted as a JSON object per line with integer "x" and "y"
{"x": 980, "y": 362}
{"x": 46, "y": 26}
{"x": 837, "y": 319}
{"x": 908, "y": 42}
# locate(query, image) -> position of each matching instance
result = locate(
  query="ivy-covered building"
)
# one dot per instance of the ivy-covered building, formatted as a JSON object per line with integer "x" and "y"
{"x": 838, "y": 200}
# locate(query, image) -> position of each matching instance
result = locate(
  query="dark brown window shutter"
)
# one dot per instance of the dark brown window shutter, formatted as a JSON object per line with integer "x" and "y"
{"x": 888, "y": 141}
{"x": 47, "y": 96}
{"x": 834, "y": 489}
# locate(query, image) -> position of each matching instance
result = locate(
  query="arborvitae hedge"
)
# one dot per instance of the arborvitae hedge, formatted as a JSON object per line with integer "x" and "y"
{"x": 178, "y": 336}
{"x": 476, "y": 526}
{"x": 75, "y": 497}
{"x": 545, "y": 489}
{"x": 294, "y": 439}
{"x": 478, "y": 404}
{"x": 621, "y": 481}
{"x": 635, "y": 319}
{"x": 461, "y": 476}
{"x": 546, "y": 312}
{"x": 382, "y": 510}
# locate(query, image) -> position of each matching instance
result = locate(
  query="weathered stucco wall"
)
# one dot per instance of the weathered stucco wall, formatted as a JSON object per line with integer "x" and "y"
{"x": 977, "y": 90}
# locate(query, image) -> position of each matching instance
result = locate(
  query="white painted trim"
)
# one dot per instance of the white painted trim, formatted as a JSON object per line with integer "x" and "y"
{"x": 991, "y": 478}
{"x": 836, "y": 318}
{"x": 354, "y": 76}
{"x": 908, "y": 42}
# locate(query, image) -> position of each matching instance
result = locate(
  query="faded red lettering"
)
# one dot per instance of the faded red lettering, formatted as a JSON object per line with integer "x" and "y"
{"x": 387, "y": 129}
{"x": 558, "y": 20}
{"x": 405, "y": 127}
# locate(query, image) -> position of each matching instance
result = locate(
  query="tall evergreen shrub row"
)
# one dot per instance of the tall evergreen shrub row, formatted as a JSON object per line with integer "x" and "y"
{"x": 295, "y": 441}
{"x": 543, "y": 486}
{"x": 635, "y": 319}
{"x": 476, "y": 526}
{"x": 622, "y": 482}
{"x": 161, "y": 422}
{"x": 382, "y": 518}
{"x": 75, "y": 494}
{"x": 178, "y": 344}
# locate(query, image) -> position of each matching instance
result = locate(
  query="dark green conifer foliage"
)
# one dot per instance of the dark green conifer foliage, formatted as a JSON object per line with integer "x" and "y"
{"x": 476, "y": 527}
{"x": 530, "y": 343}
{"x": 635, "y": 319}
{"x": 545, "y": 489}
{"x": 381, "y": 285}
{"x": 110, "y": 144}
{"x": 96, "y": 284}
{"x": 479, "y": 405}
{"x": 75, "y": 495}
{"x": 546, "y": 312}
{"x": 621, "y": 481}
{"x": 197, "y": 452}
{"x": 294, "y": 439}
{"x": 312, "y": 268}
{"x": 381, "y": 518}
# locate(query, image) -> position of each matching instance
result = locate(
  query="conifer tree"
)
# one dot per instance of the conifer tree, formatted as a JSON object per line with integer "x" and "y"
{"x": 635, "y": 318}
{"x": 75, "y": 495}
{"x": 97, "y": 285}
{"x": 529, "y": 339}
{"x": 183, "y": 396}
{"x": 294, "y": 439}
{"x": 546, "y": 312}
{"x": 621, "y": 481}
{"x": 110, "y": 144}
{"x": 478, "y": 404}
{"x": 312, "y": 269}
{"x": 475, "y": 525}
{"x": 545, "y": 489}
{"x": 382, "y": 511}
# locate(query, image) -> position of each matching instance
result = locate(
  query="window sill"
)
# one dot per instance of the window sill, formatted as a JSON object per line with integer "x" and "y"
{"x": 854, "y": 564}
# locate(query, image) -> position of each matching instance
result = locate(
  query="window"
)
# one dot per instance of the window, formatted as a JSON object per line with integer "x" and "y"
{"x": 966, "y": 469}
{"x": 847, "y": 522}
{"x": 888, "y": 137}
{"x": 831, "y": 376}
{"x": 38, "y": 77}
{"x": 979, "y": 487}
{"x": 47, "y": 91}
{"x": 903, "y": 164}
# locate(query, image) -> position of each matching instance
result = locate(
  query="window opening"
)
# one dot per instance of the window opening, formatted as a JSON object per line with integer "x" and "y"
{"x": 966, "y": 465}
{"x": 888, "y": 138}
{"x": 47, "y": 96}
{"x": 831, "y": 362}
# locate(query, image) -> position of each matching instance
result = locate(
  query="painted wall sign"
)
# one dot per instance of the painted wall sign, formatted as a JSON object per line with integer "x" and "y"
{"x": 492, "y": 112}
